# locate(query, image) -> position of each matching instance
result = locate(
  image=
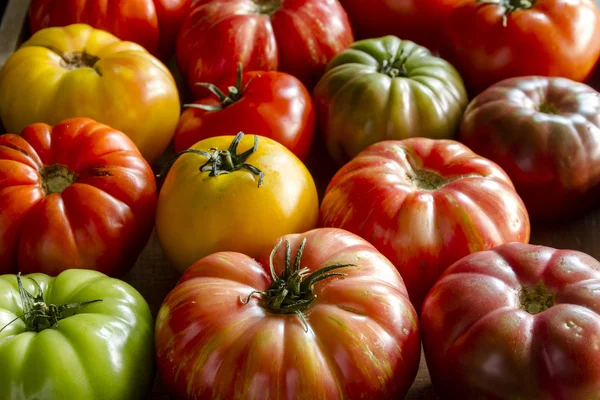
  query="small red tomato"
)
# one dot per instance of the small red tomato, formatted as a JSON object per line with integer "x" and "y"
{"x": 517, "y": 322}
{"x": 271, "y": 104}
{"x": 78, "y": 195}
{"x": 425, "y": 204}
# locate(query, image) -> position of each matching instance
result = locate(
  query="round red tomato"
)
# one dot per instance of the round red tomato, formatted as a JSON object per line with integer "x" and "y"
{"x": 545, "y": 133}
{"x": 294, "y": 36}
{"x": 272, "y": 104}
{"x": 415, "y": 20}
{"x": 76, "y": 195}
{"x": 489, "y": 41}
{"x": 152, "y": 23}
{"x": 517, "y": 322}
{"x": 425, "y": 204}
{"x": 324, "y": 316}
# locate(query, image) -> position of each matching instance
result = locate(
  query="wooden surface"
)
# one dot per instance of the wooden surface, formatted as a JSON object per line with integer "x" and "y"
{"x": 153, "y": 277}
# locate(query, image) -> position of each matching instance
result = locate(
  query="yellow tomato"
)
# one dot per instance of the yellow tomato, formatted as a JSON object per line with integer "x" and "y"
{"x": 260, "y": 191}
{"x": 78, "y": 71}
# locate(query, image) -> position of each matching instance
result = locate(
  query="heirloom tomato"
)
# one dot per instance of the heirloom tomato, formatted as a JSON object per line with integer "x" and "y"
{"x": 154, "y": 24}
{"x": 334, "y": 322}
{"x": 517, "y": 322}
{"x": 274, "y": 104}
{"x": 424, "y": 204}
{"x": 489, "y": 41}
{"x": 78, "y": 71}
{"x": 545, "y": 133}
{"x": 81, "y": 335}
{"x": 416, "y": 20}
{"x": 76, "y": 195}
{"x": 230, "y": 193}
{"x": 384, "y": 89}
{"x": 298, "y": 37}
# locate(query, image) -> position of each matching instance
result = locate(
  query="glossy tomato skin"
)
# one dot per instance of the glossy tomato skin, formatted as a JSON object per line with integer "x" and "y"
{"x": 424, "y": 204}
{"x": 113, "y": 82}
{"x": 154, "y": 24}
{"x": 101, "y": 221}
{"x": 273, "y": 104}
{"x": 545, "y": 133}
{"x": 99, "y": 351}
{"x": 419, "y": 21}
{"x": 553, "y": 38}
{"x": 362, "y": 342}
{"x": 481, "y": 342}
{"x": 199, "y": 214}
{"x": 358, "y": 103}
{"x": 299, "y": 37}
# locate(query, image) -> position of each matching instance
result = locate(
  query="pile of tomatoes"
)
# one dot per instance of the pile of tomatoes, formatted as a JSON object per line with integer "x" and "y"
{"x": 337, "y": 182}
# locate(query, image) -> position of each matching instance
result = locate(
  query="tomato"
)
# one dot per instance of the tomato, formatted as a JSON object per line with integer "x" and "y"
{"x": 298, "y": 37}
{"x": 154, "y": 24}
{"x": 77, "y": 71}
{"x": 384, "y": 89}
{"x": 425, "y": 204}
{"x": 273, "y": 104}
{"x": 76, "y": 195}
{"x": 334, "y": 323}
{"x": 545, "y": 133}
{"x": 517, "y": 322}
{"x": 489, "y": 41}
{"x": 416, "y": 20}
{"x": 233, "y": 194}
{"x": 81, "y": 335}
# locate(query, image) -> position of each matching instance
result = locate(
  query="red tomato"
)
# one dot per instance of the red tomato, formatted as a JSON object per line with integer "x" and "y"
{"x": 76, "y": 195}
{"x": 545, "y": 133}
{"x": 425, "y": 204}
{"x": 517, "y": 322}
{"x": 271, "y": 104}
{"x": 489, "y": 42}
{"x": 416, "y": 20}
{"x": 294, "y": 36}
{"x": 152, "y": 23}
{"x": 335, "y": 324}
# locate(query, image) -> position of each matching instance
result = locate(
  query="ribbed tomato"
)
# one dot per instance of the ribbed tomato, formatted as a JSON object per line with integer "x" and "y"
{"x": 425, "y": 204}
{"x": 333, "y": 322}
{"x": 76, "y": 195}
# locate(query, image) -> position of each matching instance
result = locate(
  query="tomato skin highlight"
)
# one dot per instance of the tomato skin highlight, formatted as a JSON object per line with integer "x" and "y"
{"x": 273, "y": 104}
{"x": 102, "y": 220}
{"x": 425, "y": 204}
{"x": 552, "y": 38}
{"x": 518, "y": 321}
{"x": 153, "y": 24}
{"x": 363, "y": 336}
{"x": 199, "y": 214}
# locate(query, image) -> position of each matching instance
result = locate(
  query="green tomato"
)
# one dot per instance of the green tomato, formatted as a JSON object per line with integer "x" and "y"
{"x": 387, "y": 89}
{"x": 101, "y": 350}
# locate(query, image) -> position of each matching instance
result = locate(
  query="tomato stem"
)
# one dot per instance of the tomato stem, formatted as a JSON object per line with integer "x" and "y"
{"x": 510, "y": 6}
{"x": 267, "y": 7}
{"x": 396, "y": 66}
{"x": 57, "y": 178}
{"x": 293, "y": 291}
{"x": 535, "y": 299}
{"x": 37, "y": 314}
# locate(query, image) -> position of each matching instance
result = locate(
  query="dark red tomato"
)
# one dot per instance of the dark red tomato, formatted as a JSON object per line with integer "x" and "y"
{"x": 425, "y": 204}
{"x": 294, "y": 36}
{"x": 152, "y": 23}
{"x": 272, "y": 104}
{"x": 417, "y": 20}
{"x": 545, "y": 133}
{"x": 323, "y": 316}
{"x": 78, "y": 195}
{"x": 491, "y": 41}
{"x": 517, "y": 322}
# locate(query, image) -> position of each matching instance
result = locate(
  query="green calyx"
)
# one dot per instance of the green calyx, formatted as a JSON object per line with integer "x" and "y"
{"x": 395, "y": 67}
{"x": 293, "y": 291}
{"x": 56, "y": 178}
{"x": 535, "y": 299}
{"x": 267, "y": 7}
{"x": 234, "y": 93}
{"x": 37, "y": 314}
{"x": 510, "y": 6}
{"x": 222, "y": 162}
